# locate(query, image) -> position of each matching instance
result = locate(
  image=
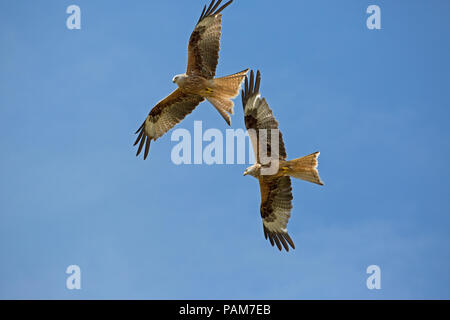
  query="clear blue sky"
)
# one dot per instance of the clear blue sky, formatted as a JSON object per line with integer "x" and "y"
{"x": 375, "y": 103}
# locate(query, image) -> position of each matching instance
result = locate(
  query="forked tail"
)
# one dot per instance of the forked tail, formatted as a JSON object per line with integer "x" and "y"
{"x": 304, "y": 168}
{"x": 224, "y": 90}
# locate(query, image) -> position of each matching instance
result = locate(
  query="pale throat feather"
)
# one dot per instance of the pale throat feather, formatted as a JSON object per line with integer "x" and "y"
{"x": 180, "y": 79}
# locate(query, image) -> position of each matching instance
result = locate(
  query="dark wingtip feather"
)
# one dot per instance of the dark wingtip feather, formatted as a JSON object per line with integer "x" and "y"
{"x": 211, "y": 11}
{"x": 141, "y": 145}
{"x": 281, "y": 239}
{"x": 139, "y": 137}
{"x": 251, "y": 86}
{"x": 142, "y": 139}
{"x": 245, "y": 93}
{"x": 201, "y": 16}
{"x": 283, "y": 242}
{"x": 147, "y": 147}
{"x": 140, "y": 128}
{"x": 222, "y": 7}
{"x": 246, "y": 85}
{"x": 215, "y": 7}
{"x": 269, "y": 234}
{"x": 258, "y": 81}
{"x": 277, "y": 241}
{"x": 252, "y": 78}
{"x": 288, "y": 239}
{"x": 208, "y": 11}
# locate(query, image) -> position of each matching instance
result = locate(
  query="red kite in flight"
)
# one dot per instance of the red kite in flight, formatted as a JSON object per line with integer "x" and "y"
{"x": 197, "y": 84}
{"x": 276, "y": 190}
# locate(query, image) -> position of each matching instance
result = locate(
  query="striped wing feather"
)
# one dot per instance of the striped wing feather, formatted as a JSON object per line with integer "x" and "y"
{"x": 204, "y": 43}
{"x": 276, "y": 206}
{"x": 164, "y": 116}
{"x": 258, "y": 115}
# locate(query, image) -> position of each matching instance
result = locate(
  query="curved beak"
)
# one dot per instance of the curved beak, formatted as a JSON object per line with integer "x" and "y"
{"x": 245, "y": 172}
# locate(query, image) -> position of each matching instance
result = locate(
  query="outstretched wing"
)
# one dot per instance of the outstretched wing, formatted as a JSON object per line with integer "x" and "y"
{"x": 258, "y": 115}
{"x": 276, "y": 205}
{"x": 164, "y": 116}
{"x": 204, "y": 43}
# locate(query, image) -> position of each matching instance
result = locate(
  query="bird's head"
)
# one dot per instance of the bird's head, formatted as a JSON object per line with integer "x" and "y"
{"x": 254, "y": 170}
{"x": 178, "y": 78}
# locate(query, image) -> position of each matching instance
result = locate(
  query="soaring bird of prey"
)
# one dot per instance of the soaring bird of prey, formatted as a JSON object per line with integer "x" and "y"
{"x": 197, "y": 83}
{"x": 276, "y": 190}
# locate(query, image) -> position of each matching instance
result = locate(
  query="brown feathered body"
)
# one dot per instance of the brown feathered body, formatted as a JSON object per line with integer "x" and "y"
{"x": 218, "y": 91}
{"x": 304, "y": 168}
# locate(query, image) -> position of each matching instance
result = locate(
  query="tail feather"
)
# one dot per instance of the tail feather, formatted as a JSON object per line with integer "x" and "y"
{"x": 305, "y": 168}
{"x": 223, "y": 106}
{"x": 224, "y": 90}
{"x": 228, "y": 87}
